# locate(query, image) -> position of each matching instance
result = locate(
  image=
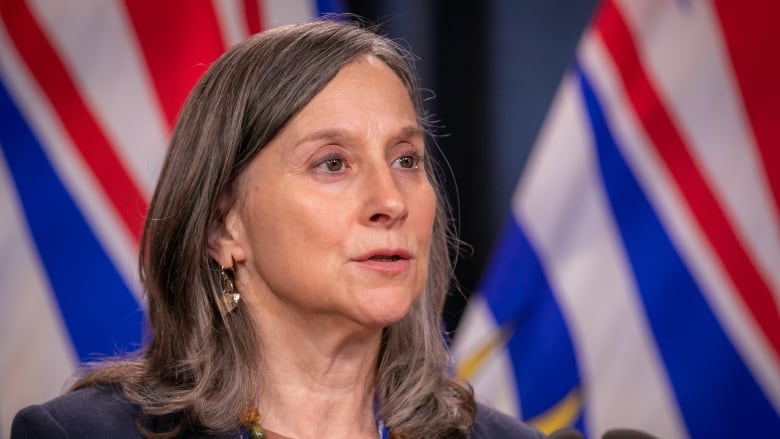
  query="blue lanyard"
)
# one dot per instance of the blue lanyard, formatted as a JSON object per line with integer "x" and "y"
{"x": 384, "y": 432}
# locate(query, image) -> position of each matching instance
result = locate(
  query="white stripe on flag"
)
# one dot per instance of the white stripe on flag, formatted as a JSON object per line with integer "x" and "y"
{"x": 681, "y": 227}
{"x": 71, "y": 168}
{"x": 36, "y": 357}
{"x": 687, "y": 60}
{"x": 97, "y": 44}
{"x": 232, "y": 21}
{"x": 561, "y": 204}
{"x": 277, "y": 13}
{"x": 495, "y": 379}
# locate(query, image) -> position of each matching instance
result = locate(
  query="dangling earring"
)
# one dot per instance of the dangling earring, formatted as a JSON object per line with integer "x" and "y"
{"x": 230, "y": 296}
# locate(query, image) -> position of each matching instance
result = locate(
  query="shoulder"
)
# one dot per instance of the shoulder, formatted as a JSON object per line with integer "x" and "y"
{"x": 86, "y": 413}
{"x": 95, "y": 412}
{"x": 492, "y": 424}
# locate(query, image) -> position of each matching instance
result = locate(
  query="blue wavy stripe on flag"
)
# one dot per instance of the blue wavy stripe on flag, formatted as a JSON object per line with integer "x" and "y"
{"x": 519, "y": 296}
{"x": 330, "y": 7}
{"x": 100, "y": 312}
{"x": 717, "y": 395}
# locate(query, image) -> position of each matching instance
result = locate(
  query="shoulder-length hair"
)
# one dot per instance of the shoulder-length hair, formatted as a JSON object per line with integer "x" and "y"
{"x": 201, "y": 362}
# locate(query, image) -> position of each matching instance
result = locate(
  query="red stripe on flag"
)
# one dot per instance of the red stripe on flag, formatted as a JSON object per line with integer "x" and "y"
{"x": 753, "y": 40}
{"x": 253, "y": 18}
{"x": 179, "y": 40}
{"x": 52, "y": 76}
{"x": 670, "y": 146}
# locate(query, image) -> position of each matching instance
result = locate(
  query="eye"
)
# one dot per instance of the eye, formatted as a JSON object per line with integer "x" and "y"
{"x": 331, "y": 164}
{"x": 410, "y": 160}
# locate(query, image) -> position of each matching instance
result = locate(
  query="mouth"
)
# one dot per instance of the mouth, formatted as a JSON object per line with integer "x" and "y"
{"x": 385, "y": 255}
{"x": 381, "y": 258}
{"x": 386, "y": 262}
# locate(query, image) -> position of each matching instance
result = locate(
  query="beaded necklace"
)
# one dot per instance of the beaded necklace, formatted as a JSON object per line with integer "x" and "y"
{"x": 251, "y": 428}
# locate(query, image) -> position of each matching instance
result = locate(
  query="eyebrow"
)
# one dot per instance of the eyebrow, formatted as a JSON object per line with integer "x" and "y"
{"x": 340, "y": 134}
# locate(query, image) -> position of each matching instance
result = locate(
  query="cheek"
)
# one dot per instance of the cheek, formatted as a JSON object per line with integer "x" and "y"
{"x": 426, "y": 205}
{"x": 423, "y": 224}
{"x": 301, "y": 226}
{"x": 317, "y": 220}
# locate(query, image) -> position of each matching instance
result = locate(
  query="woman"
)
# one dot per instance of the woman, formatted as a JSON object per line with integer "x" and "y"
{"x": 295, "y": 261}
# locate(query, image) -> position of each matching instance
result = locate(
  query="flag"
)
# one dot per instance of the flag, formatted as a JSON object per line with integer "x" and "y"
{"x": 89, "y": 92}
{"x": 637, "y": 281}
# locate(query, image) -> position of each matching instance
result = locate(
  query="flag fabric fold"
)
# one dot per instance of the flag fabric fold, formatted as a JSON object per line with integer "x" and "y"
{"x": 637, "y": 283}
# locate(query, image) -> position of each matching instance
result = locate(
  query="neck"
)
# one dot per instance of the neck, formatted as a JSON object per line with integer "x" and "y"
{"x": 320, "y": 377}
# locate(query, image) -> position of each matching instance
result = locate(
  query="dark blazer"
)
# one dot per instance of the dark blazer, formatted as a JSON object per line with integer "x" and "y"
{"x": 105, "y": 413}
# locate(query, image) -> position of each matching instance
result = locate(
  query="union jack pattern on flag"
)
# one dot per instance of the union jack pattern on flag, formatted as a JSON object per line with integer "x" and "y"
{"x": 89, "y": 91}
{"x": 637, "y": 283}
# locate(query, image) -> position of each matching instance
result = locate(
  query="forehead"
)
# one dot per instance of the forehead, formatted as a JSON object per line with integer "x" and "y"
{"x": 365, "y": 94}
{"x": 364, "y": 74}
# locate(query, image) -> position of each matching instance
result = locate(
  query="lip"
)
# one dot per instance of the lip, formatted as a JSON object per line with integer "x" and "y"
{"x": 367, "y": 260}
{"x": 379, "y": 252}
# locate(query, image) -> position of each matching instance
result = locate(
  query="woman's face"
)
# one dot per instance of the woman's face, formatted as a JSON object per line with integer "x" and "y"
{"x": 334, "y": 216}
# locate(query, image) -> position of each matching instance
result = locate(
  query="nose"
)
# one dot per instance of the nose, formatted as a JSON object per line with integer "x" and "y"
{"x": 385, "y": 201}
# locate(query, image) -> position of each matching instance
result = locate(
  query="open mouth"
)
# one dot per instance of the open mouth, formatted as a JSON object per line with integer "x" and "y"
{"x": 391, "y": 258}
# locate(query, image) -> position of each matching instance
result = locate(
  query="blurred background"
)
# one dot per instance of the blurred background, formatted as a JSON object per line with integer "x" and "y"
{"x": 613, "y": 168}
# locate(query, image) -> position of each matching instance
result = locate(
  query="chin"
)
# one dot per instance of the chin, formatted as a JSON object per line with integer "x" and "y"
{"x": 383, "y": 318}
{"x": 384, "y": 313}
{"x": 389, "y": 320}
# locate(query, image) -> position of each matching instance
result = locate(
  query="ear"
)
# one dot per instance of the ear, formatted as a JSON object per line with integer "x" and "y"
{"x": 227, "y": 236}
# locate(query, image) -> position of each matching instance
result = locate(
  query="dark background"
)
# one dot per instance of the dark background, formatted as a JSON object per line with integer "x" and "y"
{"x": 493, "y": 68}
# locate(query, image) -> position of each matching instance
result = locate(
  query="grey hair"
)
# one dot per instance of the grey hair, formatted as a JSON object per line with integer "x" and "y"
{"x": 201, "y": 363}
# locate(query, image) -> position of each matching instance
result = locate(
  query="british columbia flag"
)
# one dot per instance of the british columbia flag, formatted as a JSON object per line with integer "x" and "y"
{"x": 89, "y": 92}
{"x": 637, "y": 283}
